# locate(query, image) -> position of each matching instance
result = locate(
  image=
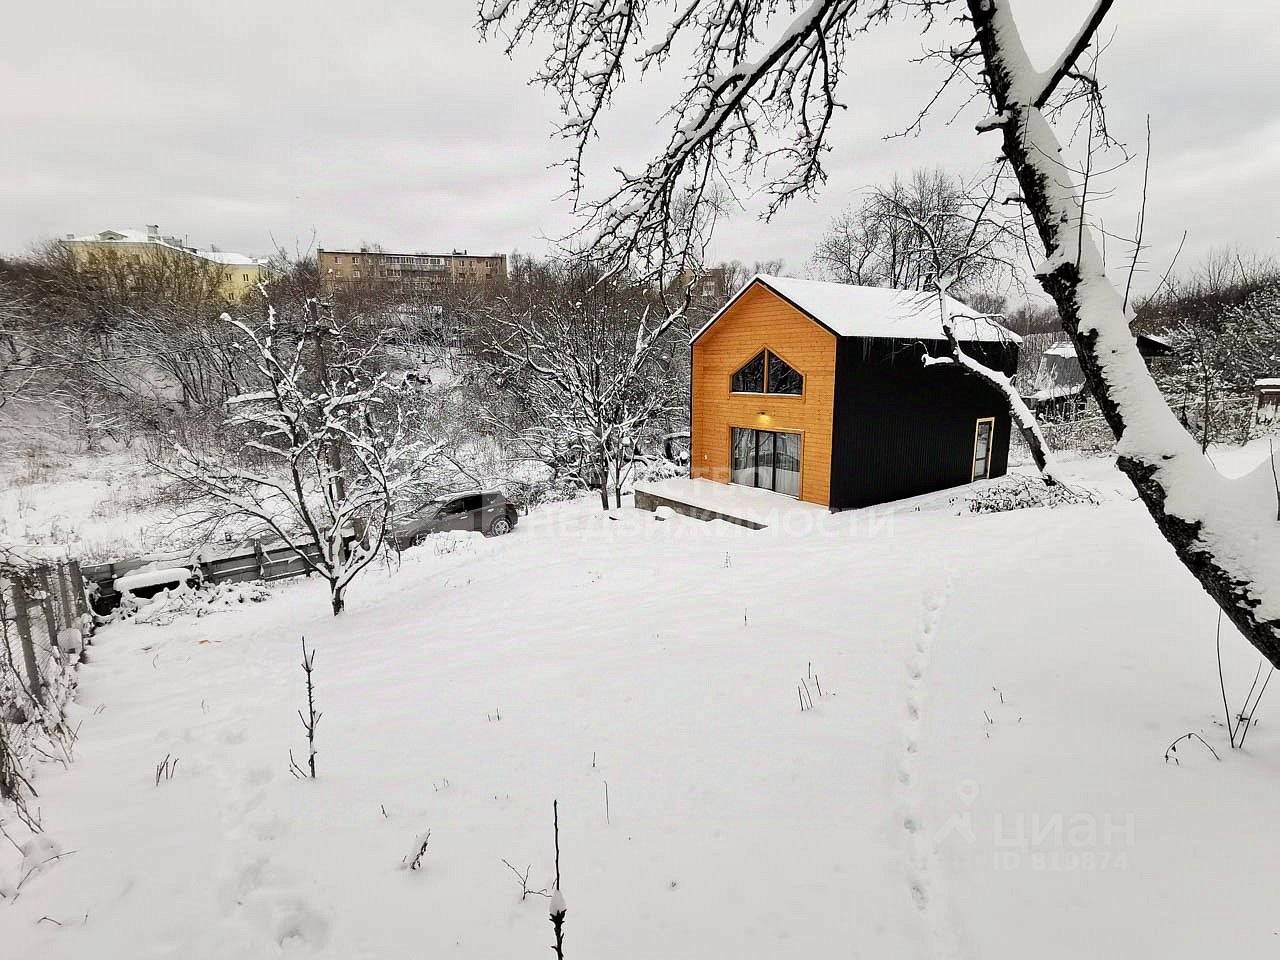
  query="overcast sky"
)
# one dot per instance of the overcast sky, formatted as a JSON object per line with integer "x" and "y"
{"x": 249, "y": 125}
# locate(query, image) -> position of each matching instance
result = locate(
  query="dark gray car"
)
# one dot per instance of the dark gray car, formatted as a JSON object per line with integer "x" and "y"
{"x": 486, "y": 512}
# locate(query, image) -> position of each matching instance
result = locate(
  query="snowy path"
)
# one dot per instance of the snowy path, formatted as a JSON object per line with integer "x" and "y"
{"x": 962, "y": 687}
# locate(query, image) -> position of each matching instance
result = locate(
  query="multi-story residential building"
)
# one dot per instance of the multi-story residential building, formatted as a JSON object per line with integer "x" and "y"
{"x": 710, "y": 284}
{"x": 240, "y": 273}
{"x": 414, "y": 271}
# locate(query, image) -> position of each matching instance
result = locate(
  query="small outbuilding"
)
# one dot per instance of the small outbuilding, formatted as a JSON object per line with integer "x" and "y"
{"x": 1059, "y": 391}
{"x": 1267, "y": 391}
{"x": 818, "y": 391}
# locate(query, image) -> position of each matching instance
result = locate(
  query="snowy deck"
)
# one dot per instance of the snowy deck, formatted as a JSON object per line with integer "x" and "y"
{"x": 708, "y": 500}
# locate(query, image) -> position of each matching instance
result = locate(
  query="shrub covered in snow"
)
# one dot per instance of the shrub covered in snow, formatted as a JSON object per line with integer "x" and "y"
{"x": 1019, "y": 491}
{"x": 168, "y": 605}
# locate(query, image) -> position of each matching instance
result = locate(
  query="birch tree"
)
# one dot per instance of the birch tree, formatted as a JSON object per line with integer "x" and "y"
{"x": 760, "y": 95}
{"x": 316, "y": 454}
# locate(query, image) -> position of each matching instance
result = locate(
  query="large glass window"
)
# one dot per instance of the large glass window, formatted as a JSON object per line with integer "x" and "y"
{"x": 764, "y": 458}
{"x": 766, "y": 372}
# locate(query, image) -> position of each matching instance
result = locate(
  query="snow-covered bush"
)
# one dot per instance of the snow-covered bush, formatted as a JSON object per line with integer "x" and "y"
{"x": 168, "y": 605}
{"x": 1019, "y": 491}
{"x": 554, "y": 488}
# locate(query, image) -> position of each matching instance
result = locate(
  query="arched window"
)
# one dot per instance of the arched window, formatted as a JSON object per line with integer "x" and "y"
{"x": 766, "y": 372}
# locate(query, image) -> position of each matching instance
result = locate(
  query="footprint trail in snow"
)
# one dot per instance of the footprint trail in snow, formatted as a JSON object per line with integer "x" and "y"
{"x": 922, "y": 879}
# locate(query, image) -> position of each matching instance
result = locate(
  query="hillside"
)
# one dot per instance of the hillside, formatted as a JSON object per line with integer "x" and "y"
{"x": 982, "y": 773}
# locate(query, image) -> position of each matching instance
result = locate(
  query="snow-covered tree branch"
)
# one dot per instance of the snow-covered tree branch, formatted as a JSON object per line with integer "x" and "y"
{"x": 592, "y": 363}
{"x": 949, "y": 243}
{"x": 316, "y": 454}
{"x": 759, "y": 92}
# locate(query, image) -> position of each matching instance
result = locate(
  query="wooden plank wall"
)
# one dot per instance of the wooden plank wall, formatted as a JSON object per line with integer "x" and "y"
{"x": 761, "y": 319}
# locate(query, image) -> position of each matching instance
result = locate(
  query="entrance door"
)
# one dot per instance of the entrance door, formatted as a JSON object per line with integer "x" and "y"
{"x": 982, "y": 449}
{"x": 766, "y": 459}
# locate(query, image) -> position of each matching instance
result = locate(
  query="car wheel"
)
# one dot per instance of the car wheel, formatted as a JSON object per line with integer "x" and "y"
{"x": 500, "y": 527}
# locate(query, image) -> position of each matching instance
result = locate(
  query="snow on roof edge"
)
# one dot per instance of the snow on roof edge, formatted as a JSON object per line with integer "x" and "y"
{"x": 884, "y": 312}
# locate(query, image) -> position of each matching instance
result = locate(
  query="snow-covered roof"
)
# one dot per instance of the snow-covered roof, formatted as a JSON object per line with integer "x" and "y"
{"x": 848, "y": 310}
{"x": 1063, "y": 348}
{"x": 1058, "y": 374}
{"x": 223, "y": 257}
{"x": 115, "y": 236}
{"x": 1267, "y": 383}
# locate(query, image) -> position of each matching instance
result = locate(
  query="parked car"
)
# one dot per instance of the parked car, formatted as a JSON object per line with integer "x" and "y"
{"x": 486, "y": 512}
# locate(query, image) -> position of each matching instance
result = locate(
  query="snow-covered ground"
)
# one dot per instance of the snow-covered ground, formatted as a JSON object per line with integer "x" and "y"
{"x": 99, "y": 505}
{"x": 981, "y": 774}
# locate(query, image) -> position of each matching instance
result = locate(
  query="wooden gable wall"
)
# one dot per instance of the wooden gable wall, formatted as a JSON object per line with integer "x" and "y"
{"x": 760, "y": 319}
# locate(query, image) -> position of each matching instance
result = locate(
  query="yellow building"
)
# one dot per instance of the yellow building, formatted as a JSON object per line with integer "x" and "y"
{"x": 240, "y": 274}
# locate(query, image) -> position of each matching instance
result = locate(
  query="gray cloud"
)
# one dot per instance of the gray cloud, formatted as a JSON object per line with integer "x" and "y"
{"x": 237, "y": 123}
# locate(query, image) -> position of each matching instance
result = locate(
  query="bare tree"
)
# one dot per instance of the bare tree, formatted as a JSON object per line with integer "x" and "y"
{"x": 16, "y": 360}
{"x": 1222, "y": 341}
{"x": 760, "y": 94}
{"x": 132, "y": 340}
{"x": 737, "y": 273}
{"x": 879, "y": 243}
{"x": 591, "y": 360}
{"x": 327, "y": 451}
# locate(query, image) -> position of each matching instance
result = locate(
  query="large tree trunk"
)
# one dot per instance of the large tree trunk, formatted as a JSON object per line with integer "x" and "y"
{"x": 336, "y": 596}
{"x": 1216, "y": 526}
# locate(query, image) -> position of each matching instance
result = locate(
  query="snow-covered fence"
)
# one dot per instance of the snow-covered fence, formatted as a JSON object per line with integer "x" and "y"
{"x": 44, "y": 618}
{"x": 257, "y": 562}
{"x": 1086, "y": 435}
{"x": 1230, "y": 419}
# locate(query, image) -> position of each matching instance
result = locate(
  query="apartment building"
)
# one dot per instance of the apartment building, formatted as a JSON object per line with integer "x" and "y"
{"x": 240, "y": 273}
{"x": 416, "y": 271}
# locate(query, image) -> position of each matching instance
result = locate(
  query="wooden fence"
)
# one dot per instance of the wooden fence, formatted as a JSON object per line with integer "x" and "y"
{"x": 38, "y": 601}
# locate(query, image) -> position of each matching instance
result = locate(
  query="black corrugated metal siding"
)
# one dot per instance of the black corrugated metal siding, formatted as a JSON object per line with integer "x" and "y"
{"x": 902, "y": 429}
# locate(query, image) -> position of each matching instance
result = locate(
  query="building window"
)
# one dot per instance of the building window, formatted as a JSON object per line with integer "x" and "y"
{"x": 982, "y": 448}
{"x": 246, "y": 277}
{"x": 750, "y": 377}
{"x": 766, "y": 372}
{"x": 356, "y": 274}
{"x": 763, "y": 458}
{"x": 337, "y": 259}
{"x": 782, "y": 377}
